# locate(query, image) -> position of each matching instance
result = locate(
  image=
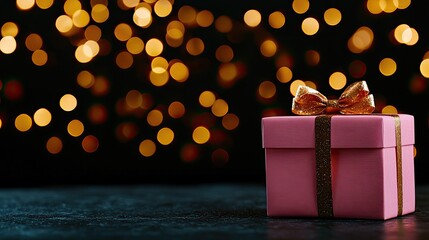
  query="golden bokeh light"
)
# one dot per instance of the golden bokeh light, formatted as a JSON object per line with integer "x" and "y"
{"x": 25, "y": 4}
{"x": 68, "y": 102}
{"x": 154, "y": 118}
{"x": 389, "y": 109}
{"x": 276, "y": 19}
{"x": 71, "y": 6}
{"x": 220, "y": 108}
{"x": 228, "y": 71}
{"x": 54, "y": 145}
{"x": 7, "y": 44}
{"x": 361, "y": 40}
{"x": 64, "y": 24}
{"x": 424, "y": 68}
{"x": 179, "y": 72}
{"x": 90, "y": 143}
{"x": 284, "y": 74}
{"x": 44, "y": 4}
{"x": 165, "y": 136}
{"x": 134, "y": 99}
{"x": 159, "y": 65}
{"x": 85, "y": 79}
{"x": 93, "y": 32}
{"x": 195, "y": 46}
{"x": 75, "y": 128}
{"x": 124, "y": 60}
{"x": 332, "y": 16}
{"x": 337, "y": 80}
{"x": 310, "y": 26}
{"x": 224, "y": 53}
{"x": 387, "y": 66}
{"x": 135, "y": 45}
{"x": 223, "y": 24}
{"x": 175, "y": 30}
{"x": 33, "y": 42}
{"x": 230, "y": 121}
{"x": 374, "y": 6}
{"x": 403, "y": 4}
{"x": 176, "y": 109}
{"x": 130, "y": 3}
{"x": 83, "y": 54}
{"x": 159, "y": 79}
{"x": 163, "y": 8}
{"x": 267, "y": 89}
{"x": 187, "y": 15}
{"x": 42, "y": 117}
{"x": 39, "y": 57}
{"x": 268, "y": 48}
{"x": 9, "y": 29}
{"x": 101, "y": 86}
{"x": 23, "y": 122}
{"x": 154, "y": 47}
{"x": 207, "y": 99}
{"x": 252, "y": 18}
{"x": 123, "y": 32}
{"x": 205, "y": 18}
{"x": 294, "y": 86}
{"x": 201, "y": 135}
{"x": 389, "y": 6}
{"x": 147, "y": 148}
{"x": 80, "y": 18}
{"x": 414, "y": 37}
{"x": 100, "y": 13}
{"x": 310, "y": 84}
{"x": 300, "y": 6}
{"x": 142, "y": 17}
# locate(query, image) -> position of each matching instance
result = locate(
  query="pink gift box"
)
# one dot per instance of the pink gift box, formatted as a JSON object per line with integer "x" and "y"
{"x": 363, "y": 166}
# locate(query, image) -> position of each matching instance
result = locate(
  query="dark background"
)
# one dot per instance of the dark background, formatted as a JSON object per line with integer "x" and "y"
{"x": 24, "y": 160}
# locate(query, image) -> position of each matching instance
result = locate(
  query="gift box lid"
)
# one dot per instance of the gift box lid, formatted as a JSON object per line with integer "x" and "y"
{"x": 347, "y": 131}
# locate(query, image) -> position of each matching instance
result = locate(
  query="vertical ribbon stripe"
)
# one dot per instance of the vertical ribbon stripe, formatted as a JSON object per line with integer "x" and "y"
{"x": 399, "y": 162}
{"x": 323, "y": 166}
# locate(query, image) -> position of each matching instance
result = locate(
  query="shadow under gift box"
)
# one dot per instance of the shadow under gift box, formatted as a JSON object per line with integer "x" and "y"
{"x": 363, "y": 166}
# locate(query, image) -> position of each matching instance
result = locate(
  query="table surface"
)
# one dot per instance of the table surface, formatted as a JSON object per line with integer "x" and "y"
{"x": 206, "y": 211}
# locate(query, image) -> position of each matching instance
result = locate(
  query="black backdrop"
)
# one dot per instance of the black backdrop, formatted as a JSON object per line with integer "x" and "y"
{"x": 25, "y": 161}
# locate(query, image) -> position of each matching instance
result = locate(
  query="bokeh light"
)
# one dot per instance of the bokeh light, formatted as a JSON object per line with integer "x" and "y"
{"x": 90, "y": 143}
{"x": 310, "y": 26}
{"x": 201, "y": 135}
{"x": 42, "y": 117}
{"x": 75, "y": 128}
{"x": 147, "y": 148}
{"x": 300, "y": 6}
{"x": 337, "y": 80}
{"x": 389, "y": 109}
{"x": 284, "y": 74}
{"x": 7, "y": 44}
{"x": 68, "y": 102}
{"x": 387, "y": 66}
{"x": 23, "y": 122}
{"x": 165, "y": 136}
{"x": 252, "y": 18}
{"x": 276, "y": 19}
{"x": 54, "y": 145}
{"x": 332, "y": 16}
{"x": 294, "y": 86}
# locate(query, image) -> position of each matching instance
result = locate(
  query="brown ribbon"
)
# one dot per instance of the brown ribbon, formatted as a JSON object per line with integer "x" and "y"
{"x": 323, "y": 166}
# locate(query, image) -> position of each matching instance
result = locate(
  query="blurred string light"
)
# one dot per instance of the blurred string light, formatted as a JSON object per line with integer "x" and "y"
{"x": 209, "y": 123}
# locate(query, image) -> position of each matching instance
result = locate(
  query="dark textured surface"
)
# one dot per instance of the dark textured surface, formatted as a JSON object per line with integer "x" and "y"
{"x": 210, "y": 211}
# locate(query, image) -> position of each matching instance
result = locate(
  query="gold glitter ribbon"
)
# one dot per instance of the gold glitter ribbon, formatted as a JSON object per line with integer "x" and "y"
{"x": 398, "y": 162}
{"x": 354, "y": 100}
{"x": 323, "y": 166}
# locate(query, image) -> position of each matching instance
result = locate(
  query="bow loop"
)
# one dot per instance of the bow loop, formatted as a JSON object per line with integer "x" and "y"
{"x": 355, "y": 99}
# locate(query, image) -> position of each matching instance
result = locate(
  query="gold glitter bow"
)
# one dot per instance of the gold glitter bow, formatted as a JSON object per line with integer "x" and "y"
{"x": 354, "y": 100}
